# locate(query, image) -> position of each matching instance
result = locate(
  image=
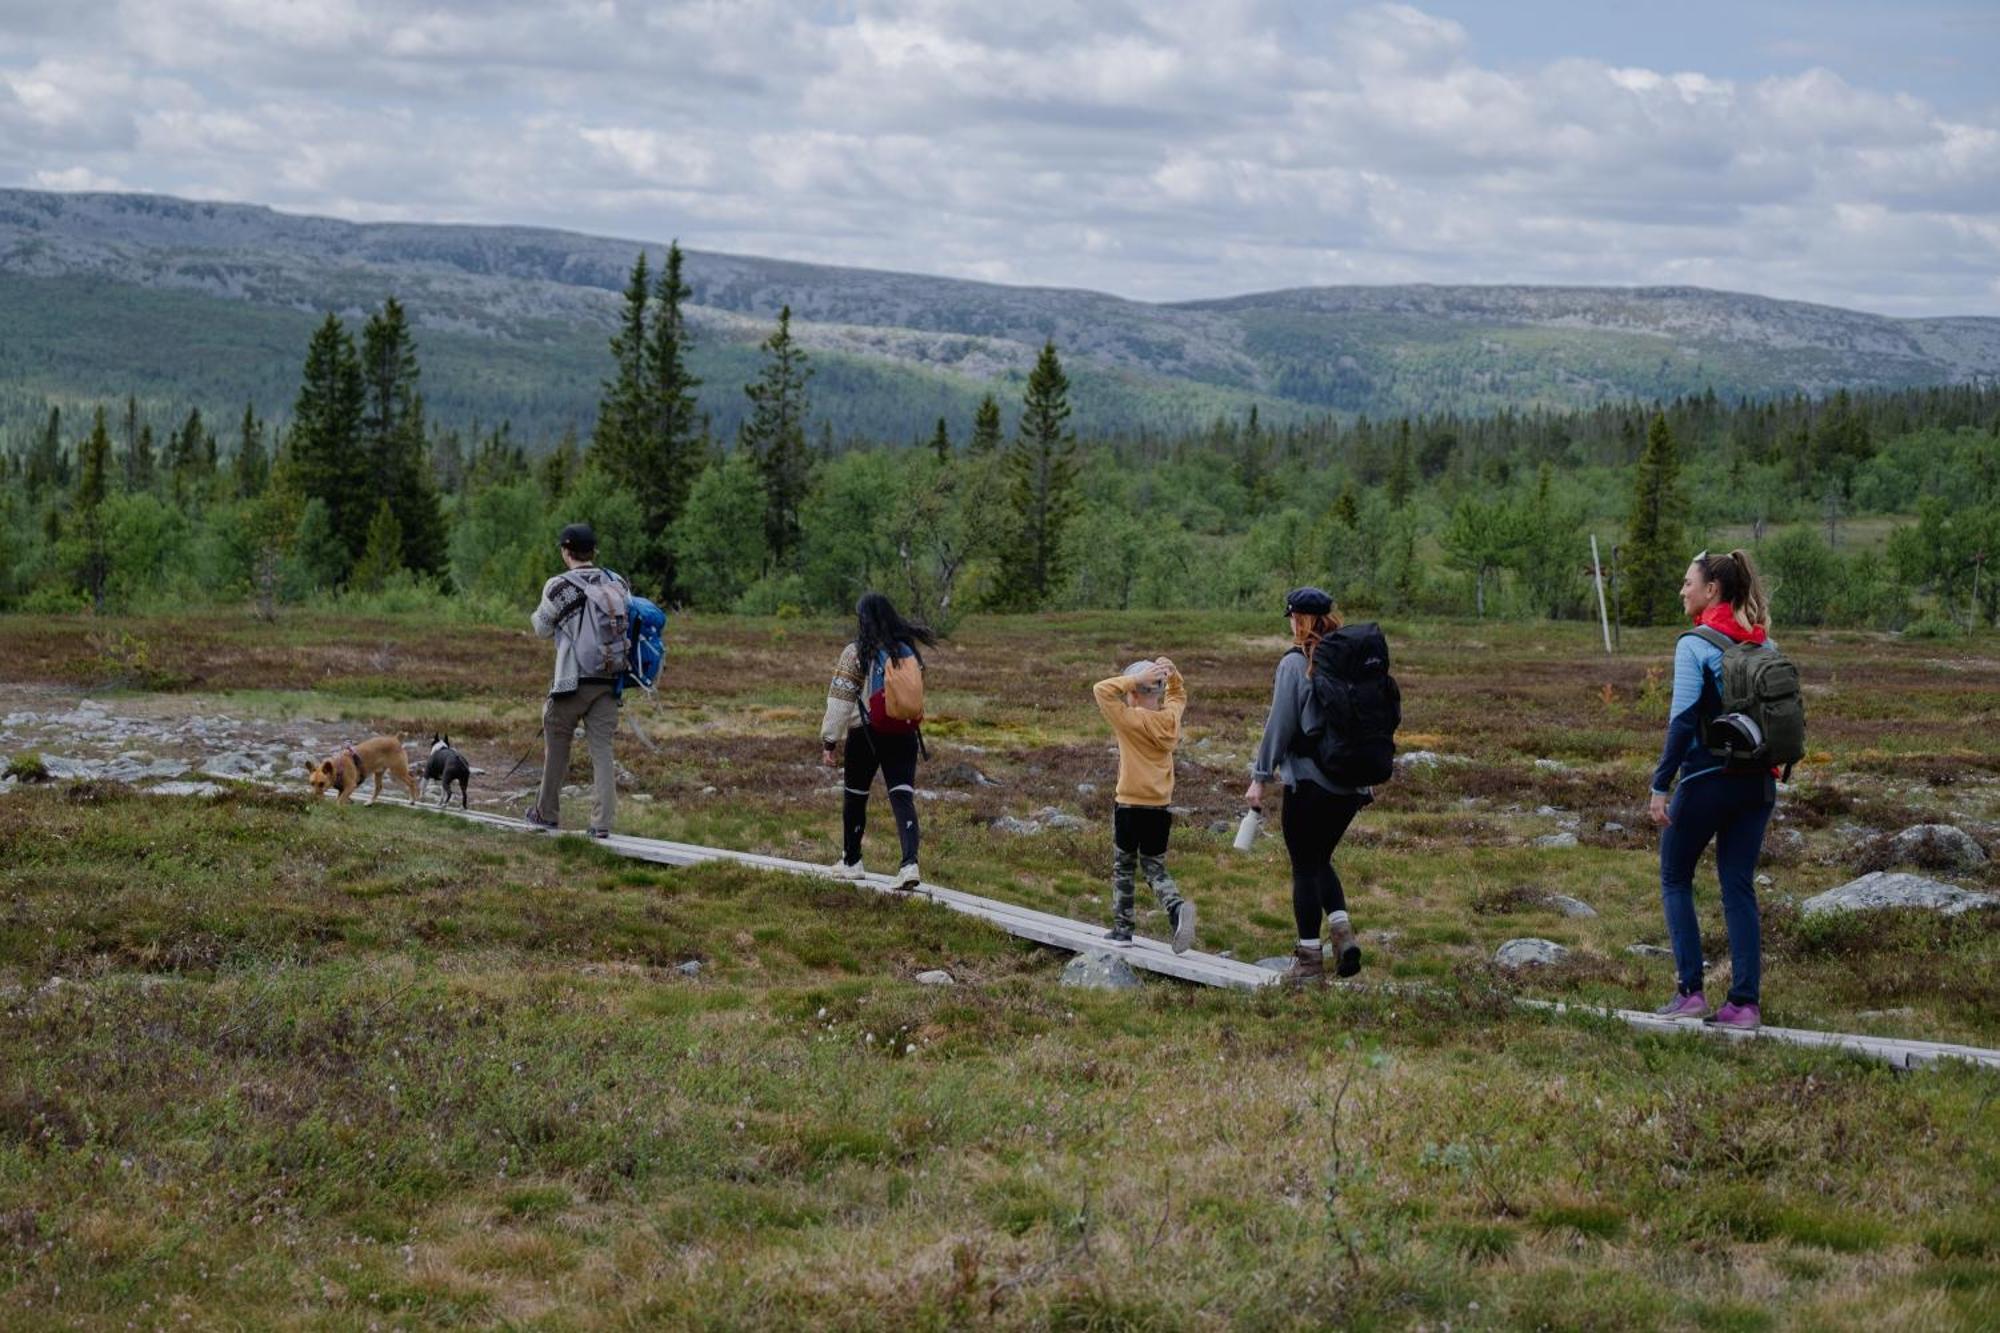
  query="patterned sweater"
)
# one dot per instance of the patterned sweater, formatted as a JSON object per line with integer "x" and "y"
{"x": 843, "y": 697}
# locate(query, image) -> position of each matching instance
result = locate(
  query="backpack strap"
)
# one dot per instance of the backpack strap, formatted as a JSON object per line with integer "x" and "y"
{"x": 1713, "y": 637}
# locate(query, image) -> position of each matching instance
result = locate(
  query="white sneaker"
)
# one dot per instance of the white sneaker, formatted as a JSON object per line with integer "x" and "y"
{"x": 908, "y": 877}
{"x": 843, "y": 870}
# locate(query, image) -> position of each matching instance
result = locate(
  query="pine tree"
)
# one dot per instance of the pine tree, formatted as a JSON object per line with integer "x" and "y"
{"x": 253, "y": 465}
{"x": 941, "y": 442}
{"x": 188, "y": 458}
{"x": 985, "y": 428}
{"x": 394, "y": 438}
{"x": 775, "y": 436}
{"x": 1402, "y": 468}
{"x": 324, "y": 460}
{"x": 139, "y": 462}
{"x": 1654, "y": 556}
{"x": 1347, "y": 508}
{"x": 559, "y": 468}
{"x": 93, "y": 485}
{"x": 383, "y": 555}
{"x": 1041, "y": 470}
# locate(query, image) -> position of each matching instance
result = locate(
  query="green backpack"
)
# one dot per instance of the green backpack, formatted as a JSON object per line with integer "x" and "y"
{"x": 1761, "y": 683}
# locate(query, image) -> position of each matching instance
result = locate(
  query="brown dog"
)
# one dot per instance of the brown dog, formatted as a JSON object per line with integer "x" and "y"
{"x": 373, "y": 757}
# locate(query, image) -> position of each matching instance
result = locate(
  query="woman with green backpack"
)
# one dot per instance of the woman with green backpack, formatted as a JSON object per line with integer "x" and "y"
{"x": 1735, "y": 716}
{"x": 875, "y": 703}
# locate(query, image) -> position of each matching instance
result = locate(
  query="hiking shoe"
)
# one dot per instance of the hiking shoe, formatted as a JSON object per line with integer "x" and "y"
{"x": 1347, "y": 948}
{"x": 1692, "y": 1005}
{"x": 1734, "y": 1015}
{"x": 1183, "y": 922}
{"x": 1119, "y": 934}
{"x": 908, "y": 877}
{"x": 533, "y": 816}
{"x": 847, "y": 870}
{"x": 1308, "y": 966}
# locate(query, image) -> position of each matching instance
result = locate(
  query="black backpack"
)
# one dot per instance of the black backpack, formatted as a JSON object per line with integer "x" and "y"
{"x": 1359, "y": 705}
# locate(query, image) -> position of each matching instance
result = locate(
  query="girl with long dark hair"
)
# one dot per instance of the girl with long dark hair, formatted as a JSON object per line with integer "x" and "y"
{"x": 874, "y": 743}
{"x": 1317, "y": 809}
{"x": 1714, "y": 801}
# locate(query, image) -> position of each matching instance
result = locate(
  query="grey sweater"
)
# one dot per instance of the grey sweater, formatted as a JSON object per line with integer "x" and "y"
{"x": 556, "y": 618}
{"x": 1293, "y": 714}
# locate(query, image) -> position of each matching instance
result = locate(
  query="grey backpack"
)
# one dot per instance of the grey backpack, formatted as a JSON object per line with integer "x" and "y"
{"x": 1761, "y": 683}
{"x": 603, "y": 625}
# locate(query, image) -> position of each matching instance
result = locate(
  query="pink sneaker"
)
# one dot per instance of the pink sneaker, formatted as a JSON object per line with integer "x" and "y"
{"x": 1734, "y": 1015}
{"x": 1684, "y": 1006}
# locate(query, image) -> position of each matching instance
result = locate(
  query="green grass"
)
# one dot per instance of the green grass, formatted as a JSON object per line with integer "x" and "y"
{"x": 271, "y": 1062}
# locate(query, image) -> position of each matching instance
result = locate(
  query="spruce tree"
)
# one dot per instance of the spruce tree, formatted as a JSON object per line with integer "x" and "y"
{"x": 1655, "y": 555}
{"x": 941, "y": 442}
{"x": 44, "y": 470}
{"x": 985, "y": 428}
{"x": 775, "y": 437}
{"x": 253, "y": 465}
{"x": 324, "y": 460}
{"x": 93, "y": 485}
{"x": 394, "y": 438}
{"x": 1402, "y": 467}
{"x": 559, "y": 468}
{"x": 621, "y": 408}
{"x": 1041, "y": 473}
{"x": 187, "y": 460}
{"x": 139, "y": 463}
{"x": 383, "y": 555}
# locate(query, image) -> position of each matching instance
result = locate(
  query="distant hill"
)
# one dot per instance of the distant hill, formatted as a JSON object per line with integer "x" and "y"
{"x": 182, "y": 301}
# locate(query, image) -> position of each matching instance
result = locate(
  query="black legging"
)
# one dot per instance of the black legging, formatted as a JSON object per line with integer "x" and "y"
{"x": 1315, "y": 820}
{"x": 896, "y": 756}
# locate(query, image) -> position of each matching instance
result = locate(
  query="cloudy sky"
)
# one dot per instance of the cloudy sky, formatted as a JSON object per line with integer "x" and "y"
{"x": 1818, "y": 149}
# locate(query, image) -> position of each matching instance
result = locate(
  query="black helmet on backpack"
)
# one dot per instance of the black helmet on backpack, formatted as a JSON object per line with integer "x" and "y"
{"x": 1735, "y": 736}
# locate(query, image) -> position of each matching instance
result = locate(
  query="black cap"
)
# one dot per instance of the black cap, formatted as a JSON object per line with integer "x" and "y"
{"x": 1308, "y": 602}
{"x": 578, "y": 538}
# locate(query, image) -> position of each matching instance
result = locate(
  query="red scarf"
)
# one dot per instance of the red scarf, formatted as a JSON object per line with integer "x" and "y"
{"x": 1722, "y": 619}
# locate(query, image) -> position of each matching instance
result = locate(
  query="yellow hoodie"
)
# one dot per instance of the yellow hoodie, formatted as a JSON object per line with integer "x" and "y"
{"x": 1146, "y": 739}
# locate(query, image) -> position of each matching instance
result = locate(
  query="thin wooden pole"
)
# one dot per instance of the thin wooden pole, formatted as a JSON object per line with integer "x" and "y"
{"x": 1597, "y": 573}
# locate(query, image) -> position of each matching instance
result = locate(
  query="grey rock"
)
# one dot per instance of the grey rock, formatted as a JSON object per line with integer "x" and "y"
{"x": 691, "y": 968}
{"x": 1051, "y": 817}
{"x": 1945, "y": 846}
{"x": 9, "y": 782}
{"x": 1613, "y": 826}
{"x": 1885, "y": 888}
{"x": 1009, "y": 824}
{"x": 1563, "y": 839}
{"x": 64, "y": 769}
{"x": 1100, "y": 971}
{"x": 1428, "y": 759}
{"x": 1281, "y": 963}
{"x": 960, "y": 774}
{"x": 184, "y": 789}
{"x": 1552, "y": 766}
{"x": 937, "y": 976}
{"x": 234, "y": 764}
{"x": 1763, "y": 881}
{"x": 1649, "y": 951}
{"x": 1569, "y": 906}
{"x": 1516, "y": 954}
{"x": 1086, "y": 789}
{"x": 1220, "y": 826}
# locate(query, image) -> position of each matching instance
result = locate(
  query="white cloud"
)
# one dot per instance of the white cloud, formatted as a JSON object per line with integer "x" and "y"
{"x": 1168, "y": 149}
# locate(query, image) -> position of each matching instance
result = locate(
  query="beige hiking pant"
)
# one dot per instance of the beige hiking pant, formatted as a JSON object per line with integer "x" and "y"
{"x": 596, "y": 707}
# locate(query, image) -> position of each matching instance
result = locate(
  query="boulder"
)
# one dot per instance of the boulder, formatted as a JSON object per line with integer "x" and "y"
{"x": 937, "y": 976}
{"x": 1516, "y": 954}
{"x": 691, "y": 968}
{"x": 1051, "y": 817}
{"x": 1613, "y": 826}
{"x": 1563, "y": 839}
{"x": 60, "y": 768}
{"x": 960, "y": 774}
{"x": 1100, "y": 971}
{"x": 1937, "y": 846}
{"x": 1885, "y": 888}
{"x": 234, "y": 764}
{"x": 1569, "y": 906}
{"x": 1009, "y": 824}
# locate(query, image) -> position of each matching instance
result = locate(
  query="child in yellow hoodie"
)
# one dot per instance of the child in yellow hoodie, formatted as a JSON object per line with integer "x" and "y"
{"x": 1144, "y": 707}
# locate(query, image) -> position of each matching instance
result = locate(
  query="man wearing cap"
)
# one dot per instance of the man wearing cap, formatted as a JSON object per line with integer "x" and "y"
{"x": 574, "y": 697}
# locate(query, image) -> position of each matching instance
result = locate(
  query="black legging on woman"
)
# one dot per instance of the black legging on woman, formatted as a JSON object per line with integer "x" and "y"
{"x": 895, "y": 754}
{"x": 1314, "y": 822}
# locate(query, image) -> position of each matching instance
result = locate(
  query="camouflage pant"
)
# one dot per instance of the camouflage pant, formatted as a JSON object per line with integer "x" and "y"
{"x": 1139, "y": 843}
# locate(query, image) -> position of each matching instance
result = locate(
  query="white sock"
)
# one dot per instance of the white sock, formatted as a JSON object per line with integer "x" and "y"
{"x": 1309, "y": 944}
{"x": 1336, "y": 918}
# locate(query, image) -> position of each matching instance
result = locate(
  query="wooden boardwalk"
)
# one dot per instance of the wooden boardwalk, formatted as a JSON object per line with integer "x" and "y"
{"x": 1208, "y": 969}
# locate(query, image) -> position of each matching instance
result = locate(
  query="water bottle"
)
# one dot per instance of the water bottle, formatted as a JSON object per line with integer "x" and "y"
{"x": 1246, "y": 832}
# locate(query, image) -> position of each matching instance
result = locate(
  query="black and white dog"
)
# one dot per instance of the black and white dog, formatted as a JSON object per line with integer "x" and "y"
{"x": 445, "y": 767}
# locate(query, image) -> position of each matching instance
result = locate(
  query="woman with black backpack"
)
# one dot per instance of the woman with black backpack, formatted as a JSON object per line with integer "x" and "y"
{"x": 1720, "y": 798}
{"x": 869, "y": 704}
{"x": 1318, "y": 809}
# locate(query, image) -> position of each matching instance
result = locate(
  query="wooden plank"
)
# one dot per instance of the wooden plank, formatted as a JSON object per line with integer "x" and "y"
{"x": 1207, "y": 969}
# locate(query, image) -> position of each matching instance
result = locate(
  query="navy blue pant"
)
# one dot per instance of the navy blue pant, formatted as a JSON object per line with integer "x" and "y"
{"x": 1731, "y": 810}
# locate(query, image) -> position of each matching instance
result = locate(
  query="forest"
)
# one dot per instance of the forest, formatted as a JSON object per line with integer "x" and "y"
{"x": 1871, "y": 509}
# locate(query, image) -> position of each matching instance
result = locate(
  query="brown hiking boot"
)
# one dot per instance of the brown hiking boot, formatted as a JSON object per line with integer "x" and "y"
{"x": 1308, "y": 966}
{"x": 1345, "y": 946}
